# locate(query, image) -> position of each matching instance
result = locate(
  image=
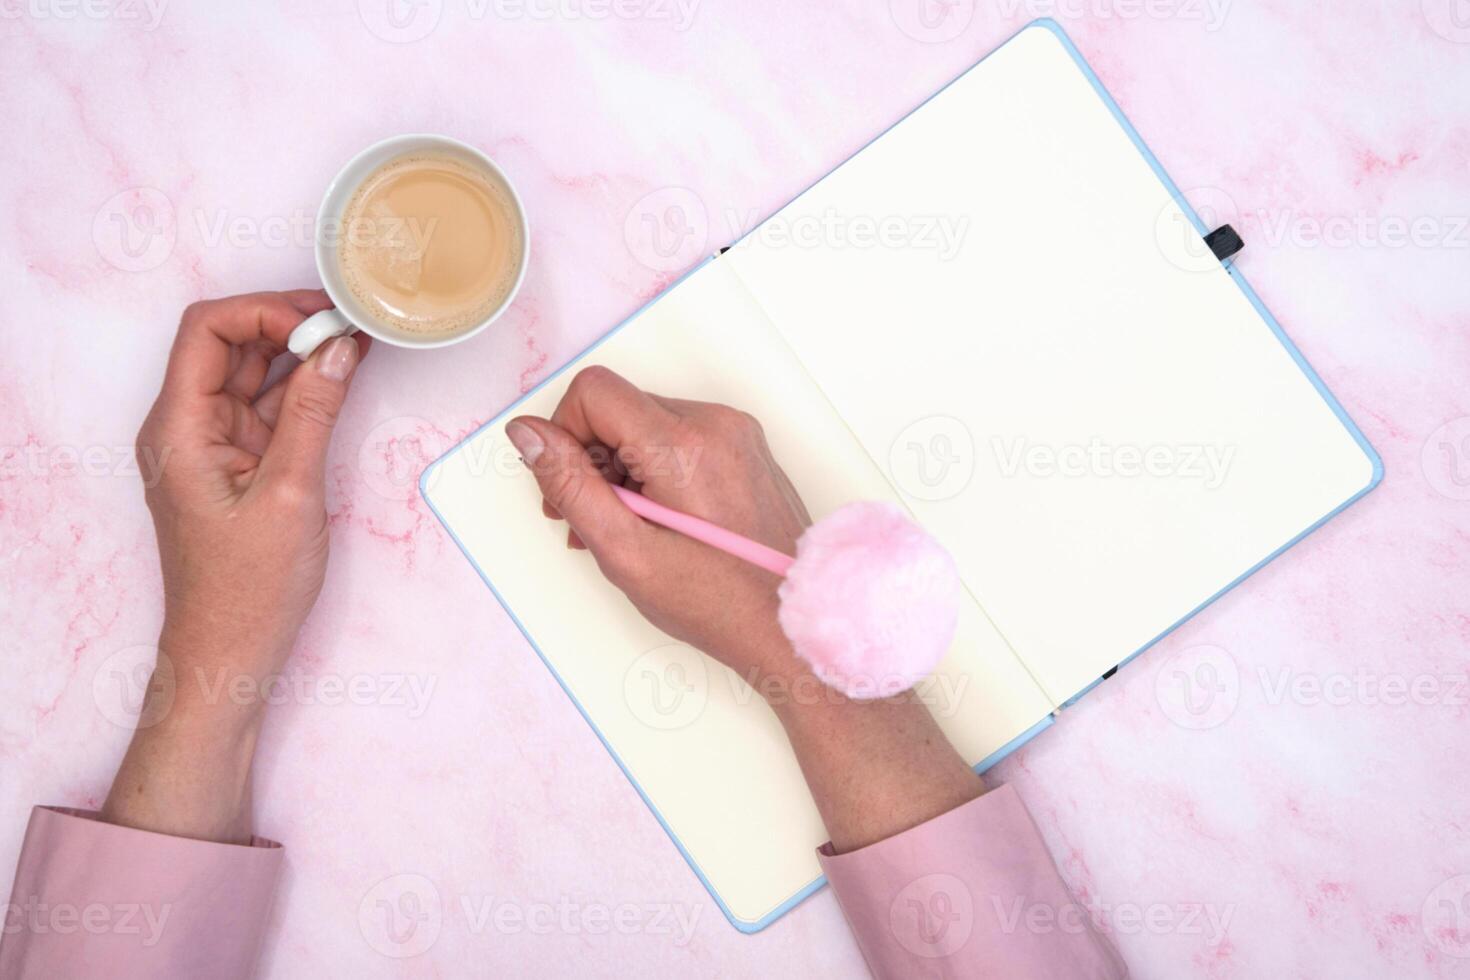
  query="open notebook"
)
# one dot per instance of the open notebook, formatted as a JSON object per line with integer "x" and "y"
{"x": 1106, "y": 432}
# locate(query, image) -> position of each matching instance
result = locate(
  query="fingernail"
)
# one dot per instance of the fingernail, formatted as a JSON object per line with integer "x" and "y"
{"x": 337, "y": 359}
{"x": 526, "y": 441}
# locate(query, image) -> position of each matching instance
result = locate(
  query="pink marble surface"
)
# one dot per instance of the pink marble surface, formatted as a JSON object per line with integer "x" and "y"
{"x": 1313, "y": 821}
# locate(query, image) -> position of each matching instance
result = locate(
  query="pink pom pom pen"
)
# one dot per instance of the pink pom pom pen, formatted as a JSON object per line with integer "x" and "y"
{"x": 870, "y": 601}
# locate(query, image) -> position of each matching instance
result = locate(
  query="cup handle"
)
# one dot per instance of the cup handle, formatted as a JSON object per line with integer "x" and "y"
{"x": 316, "y": 330}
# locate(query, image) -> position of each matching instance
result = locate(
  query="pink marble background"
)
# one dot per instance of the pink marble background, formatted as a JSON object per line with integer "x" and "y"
{"x": 157, "y": 155}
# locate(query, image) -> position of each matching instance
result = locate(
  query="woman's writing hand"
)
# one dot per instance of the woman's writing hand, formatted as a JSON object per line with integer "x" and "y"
{"x": 703, "y": 459}
{"x": 875, "y": 768}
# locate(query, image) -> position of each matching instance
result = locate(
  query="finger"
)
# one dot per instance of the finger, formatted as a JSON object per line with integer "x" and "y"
{"x": 313, "y": 397}
{"x": 611, "y": 468}
{"x": 571, "y": 483}
{"x": 308, "y": 301}
{"x": 268, "y": 403}
{"x": 601, "y": 406}
{"x": 247, "y": 430}
{"x": 251, "y": 364}
{"x": 200, "y": 360}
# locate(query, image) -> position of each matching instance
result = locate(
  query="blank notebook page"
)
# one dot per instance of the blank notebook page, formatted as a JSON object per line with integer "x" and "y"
{"x": 1074, "y": 313}
{"x": 704, "y": 750}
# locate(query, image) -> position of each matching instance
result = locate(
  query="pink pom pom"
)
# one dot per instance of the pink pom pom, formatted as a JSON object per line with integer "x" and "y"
{"x": 871, "y": 602}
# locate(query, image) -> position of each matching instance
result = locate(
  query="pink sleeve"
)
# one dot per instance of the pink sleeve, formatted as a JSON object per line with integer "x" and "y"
{"x": 971, "y": 893}
{"x": 95, "y": 899}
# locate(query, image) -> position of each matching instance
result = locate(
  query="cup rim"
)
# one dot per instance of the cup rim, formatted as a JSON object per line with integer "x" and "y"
{"x": 326, "y": 212}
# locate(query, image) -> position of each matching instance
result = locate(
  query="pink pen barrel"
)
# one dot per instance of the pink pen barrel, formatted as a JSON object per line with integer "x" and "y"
{"x": 703, "y": 531}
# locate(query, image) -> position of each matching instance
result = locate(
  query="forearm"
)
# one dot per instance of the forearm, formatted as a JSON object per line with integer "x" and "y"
{"x": 874, "y": 768}
{"x": 919, "y": 861}
{"x": 187, "y": 771}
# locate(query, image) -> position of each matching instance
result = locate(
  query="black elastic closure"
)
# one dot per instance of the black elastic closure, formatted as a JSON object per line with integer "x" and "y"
{"x": 1224, "y": 242}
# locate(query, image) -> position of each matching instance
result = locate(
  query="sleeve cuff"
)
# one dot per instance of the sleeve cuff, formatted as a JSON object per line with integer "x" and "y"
{"x": 972, "y": 892}
{"x": 94, "y": 898}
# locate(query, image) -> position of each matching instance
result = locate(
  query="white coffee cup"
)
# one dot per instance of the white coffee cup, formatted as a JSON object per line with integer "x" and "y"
{"x": 350, "y": 315}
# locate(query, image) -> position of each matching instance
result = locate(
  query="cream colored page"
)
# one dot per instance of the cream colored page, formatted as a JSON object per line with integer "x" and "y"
{"x": 1013, "y": 373}
{"x": 706, "y": 751}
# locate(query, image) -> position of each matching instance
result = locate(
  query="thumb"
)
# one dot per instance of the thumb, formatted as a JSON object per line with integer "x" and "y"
{"x": 313, "y": 398}
{"x": 571, "y": 482}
